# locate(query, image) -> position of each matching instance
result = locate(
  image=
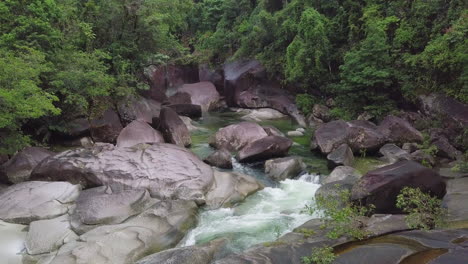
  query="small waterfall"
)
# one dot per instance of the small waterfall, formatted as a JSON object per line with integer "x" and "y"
{"x": 262, "y": 217}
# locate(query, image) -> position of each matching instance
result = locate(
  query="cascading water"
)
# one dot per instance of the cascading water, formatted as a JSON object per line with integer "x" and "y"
{"x": 11, "y": 242}
{"x": 262, "y": 217}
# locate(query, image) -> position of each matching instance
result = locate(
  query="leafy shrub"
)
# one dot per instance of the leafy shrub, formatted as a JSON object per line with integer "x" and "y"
{"x": 321, "y": 255}
{"x": 305, "y": 102}
{"x": 424, "y": 211}
{"x": 428, "y": 148}
{"x": 341, "y": 215}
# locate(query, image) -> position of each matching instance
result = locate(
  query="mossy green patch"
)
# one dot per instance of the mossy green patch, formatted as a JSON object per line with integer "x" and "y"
{"x": 363, "y": 165}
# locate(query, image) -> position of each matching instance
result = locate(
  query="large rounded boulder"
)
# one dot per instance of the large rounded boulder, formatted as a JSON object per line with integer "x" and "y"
{"x": 235, "y": 137}
{"x": 265, "y": 148}
{"x": 19, "y": 167}
{"x": 167, "y": 171}
{"x": 399, "y": 131}
{"x": 173, "y": 128}
{"x": 138, "y": 132}
{"x": 380, "y": 187}
{"x": 106, "y": 128}
{"x": 203, "y": 94}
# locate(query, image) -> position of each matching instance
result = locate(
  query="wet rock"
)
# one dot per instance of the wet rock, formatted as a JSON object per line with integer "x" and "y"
{"x": 220, "y": 158}
{"x": 385, "y": 253}
{"x": 190, "y": 110}
{"x": 343, "y": 173}
{"x": 398, "y": 130}
{"x": 107, "y": 128}
{"x": 202, "y": 254}
{"x": 237, "y": 136}
{"x": 18, "y": 168}
{"x": 258, "y": 115}
{"x": 203, "y": 94}
{"x": 284, "y": 168}
{"x": 166, "y": 170}
{"x": 453, "y": 256}
{"x": 379, "y": 224}
{"x": 392, "y": 153}
{"x": 455, "y": 199}
{"x": 160, "y": 227}
{"x": 138, "y": 108}
{"x": 273, "y": 131}
{"x": 321, "y": 112}
{"x": 173, "y": 128}
{"x": 30, "y": 201}
{"x": 265, "y": 148}
{"x": 138, "y": 132}
{"x": 45, "y": 236}
{"x": 343, "y": 155}
{"x": 101, "y": 206}
{"x": 380, "y": 187}
{"x": 230, "y": 188}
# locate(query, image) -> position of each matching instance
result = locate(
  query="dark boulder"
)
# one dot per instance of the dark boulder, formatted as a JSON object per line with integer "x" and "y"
{"x": 190, "y": 110}
{"x": 138, "y": 132}
{"x": 321, "y": 112}
{"x": 19, "y": 167}
{"x": 138, "y": 108}
{"x": 203, "y": 94}
{"x": 220, "y": 158}
{"x": 215, "y": 76}
{"x": 167, "y": 171}
{"x": 237, "y": 136}
{"x": 438, "y": 105}
{"x": 380, "y": 187}
{"x": 399, "y": 131}
{"x": 173, "y": 128}
{"x": 240, "y": 76}
{"x": 106, "y": 128}
{"x": 445, "y": 149}
{"x": 179, "y": 98}
{"x": 358, "y": 134}
{"x": 343, "y": 155}
{"x": 265, "y": 148}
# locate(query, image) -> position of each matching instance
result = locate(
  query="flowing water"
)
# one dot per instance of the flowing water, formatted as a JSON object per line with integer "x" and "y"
{"x": 267, "y": 214}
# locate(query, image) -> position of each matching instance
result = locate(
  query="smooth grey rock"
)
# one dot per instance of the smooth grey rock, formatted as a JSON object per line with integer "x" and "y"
{"x": 340, "y": 173}
{"x": 451, "y": 174}
{"x": 203, "y": 94}
{"x": 265, "y": 148}
{"x": 295, "y": 134}
{"x": 230, "y": 188}
{"x": 343, "y": 155}
{"x": 202, "y": 254}
{"x": 262, "y": 114}
{"x": 321, "y": 112}
{"x": 46, "y": 236}
{"x": 173, "y": 128}
{"x": 334, "y": 189}
{"x": 167, "y": 171}
{"x": 138, "y": 132}
{"x": 455, "y": 199}
{"x": 30, "y": 201}
{"x": 19, "y": 167}
{"x": 237, "y": 136}
{"x": 284, "y": 168}
{"x": 392, "y": 153}
{"x": 385, "y": 253}
{"x": 220, "y": 158}
{"x": 410, "y": 147}
{"x": 188, "y": 123}
{"x": 160, "y": 227}
{"x": 101, "y": 206}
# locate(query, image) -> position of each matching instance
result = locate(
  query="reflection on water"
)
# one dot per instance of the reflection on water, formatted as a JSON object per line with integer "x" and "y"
{"x": 11, "y": 242}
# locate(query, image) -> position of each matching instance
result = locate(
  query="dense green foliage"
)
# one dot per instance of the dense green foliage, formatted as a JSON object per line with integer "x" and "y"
{"x": 320, "y": 255}
{"x": 79, "y": 57}
{"x": 424, "y": 211}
